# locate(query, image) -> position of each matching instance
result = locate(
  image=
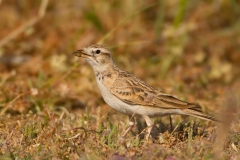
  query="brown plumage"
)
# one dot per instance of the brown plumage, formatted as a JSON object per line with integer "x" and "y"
{"x": 129, "y": 94}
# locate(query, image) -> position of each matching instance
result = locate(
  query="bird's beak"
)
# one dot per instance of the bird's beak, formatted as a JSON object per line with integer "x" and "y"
{"x": 79, "y": 53}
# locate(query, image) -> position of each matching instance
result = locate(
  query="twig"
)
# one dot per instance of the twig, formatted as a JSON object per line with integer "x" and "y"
{"x": 10, "y": 103}
{"x": 42, "y": 9}
{"x": 28, "y": 24}
{"x": 8, "y": 137}
{"x": 74, "y": 136}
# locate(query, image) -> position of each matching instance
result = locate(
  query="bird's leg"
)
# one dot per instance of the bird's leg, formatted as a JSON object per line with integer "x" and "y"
{"x": 131, "y": 124}
{"x": 170, "y": 119}
{"x": 149, "y": 124}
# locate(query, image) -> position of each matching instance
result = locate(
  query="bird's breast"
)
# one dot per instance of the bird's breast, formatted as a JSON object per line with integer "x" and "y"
{"x": 110, "y": 99}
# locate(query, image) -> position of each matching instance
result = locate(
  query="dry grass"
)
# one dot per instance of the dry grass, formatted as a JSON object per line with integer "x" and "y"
{"x": 49, "y": 105}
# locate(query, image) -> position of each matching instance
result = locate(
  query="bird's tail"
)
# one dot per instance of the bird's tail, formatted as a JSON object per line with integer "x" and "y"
{"x": 196, "y": 111}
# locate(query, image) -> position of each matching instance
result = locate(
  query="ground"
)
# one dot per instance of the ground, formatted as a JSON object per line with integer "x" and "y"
{"x": 51, "y": 108}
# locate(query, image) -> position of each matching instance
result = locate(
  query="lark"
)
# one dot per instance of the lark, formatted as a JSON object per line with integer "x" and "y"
{"x": 130, "y": 95}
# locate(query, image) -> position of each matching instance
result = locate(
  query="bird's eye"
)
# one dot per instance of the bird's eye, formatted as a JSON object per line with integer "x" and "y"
{"x": 98, "y": 51}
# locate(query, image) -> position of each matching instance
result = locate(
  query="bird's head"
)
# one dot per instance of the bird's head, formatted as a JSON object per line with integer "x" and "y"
{"x": 98, "y": 56}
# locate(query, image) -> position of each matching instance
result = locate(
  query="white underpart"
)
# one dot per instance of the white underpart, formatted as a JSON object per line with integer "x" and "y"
{"x": 136, "y": 110}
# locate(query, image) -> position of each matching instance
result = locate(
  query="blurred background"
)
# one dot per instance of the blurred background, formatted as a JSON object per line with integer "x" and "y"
{"x": 190, "y": 49}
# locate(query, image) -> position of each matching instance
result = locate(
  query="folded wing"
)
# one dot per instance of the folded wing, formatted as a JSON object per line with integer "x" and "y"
{"x": 137, "y": 92}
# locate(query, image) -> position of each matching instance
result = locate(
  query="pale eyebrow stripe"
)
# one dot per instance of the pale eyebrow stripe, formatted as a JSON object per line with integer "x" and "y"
{"x": 98, "y": 46}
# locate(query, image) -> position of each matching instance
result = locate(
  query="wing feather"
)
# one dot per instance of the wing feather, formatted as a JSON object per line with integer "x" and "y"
{"x": 134, "y": 91}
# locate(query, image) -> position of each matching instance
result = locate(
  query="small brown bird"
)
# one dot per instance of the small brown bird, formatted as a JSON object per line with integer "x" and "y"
{"x": 129, "y": 94}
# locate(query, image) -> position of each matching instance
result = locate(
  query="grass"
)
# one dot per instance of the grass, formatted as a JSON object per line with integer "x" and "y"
{"x": 69, "y": 136}
{"x": 50, "y": 107}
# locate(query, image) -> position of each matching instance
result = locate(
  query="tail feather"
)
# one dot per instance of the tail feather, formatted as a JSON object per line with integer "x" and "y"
{"x": 196, "y": 111}
{"x": 195, "y": 107}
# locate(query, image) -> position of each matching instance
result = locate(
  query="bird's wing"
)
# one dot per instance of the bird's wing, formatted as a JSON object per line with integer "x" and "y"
{"x": 134, "y": 91}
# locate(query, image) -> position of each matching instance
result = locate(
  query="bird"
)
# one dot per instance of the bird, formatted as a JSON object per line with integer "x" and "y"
{"x": 132, "y": 96}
